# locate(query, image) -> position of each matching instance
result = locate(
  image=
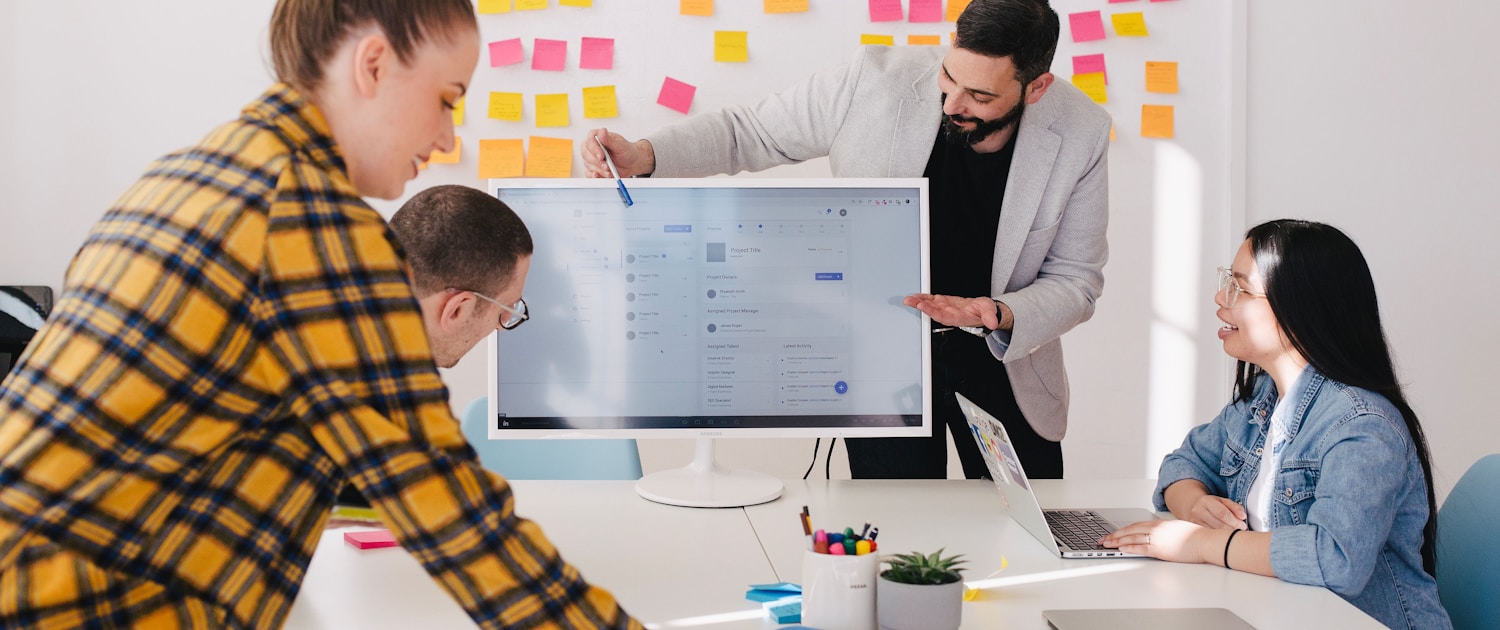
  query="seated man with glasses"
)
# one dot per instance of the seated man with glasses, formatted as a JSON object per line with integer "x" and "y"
{"x": 469, "y": 255}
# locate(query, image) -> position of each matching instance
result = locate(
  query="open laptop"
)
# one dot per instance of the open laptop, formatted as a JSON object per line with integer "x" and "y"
{"x": 1145, "y": 619}
{"x": 1070, "y": 533}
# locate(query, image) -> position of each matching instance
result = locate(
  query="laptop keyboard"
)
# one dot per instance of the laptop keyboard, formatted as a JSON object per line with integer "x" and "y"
{"x": 1077, "y": 529}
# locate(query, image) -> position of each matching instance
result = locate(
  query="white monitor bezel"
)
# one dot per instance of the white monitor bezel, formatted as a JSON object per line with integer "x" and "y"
{"x": 491, "y": 342}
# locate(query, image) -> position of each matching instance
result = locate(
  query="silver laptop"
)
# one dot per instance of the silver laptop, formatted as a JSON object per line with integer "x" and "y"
{"x": 1070, "y": 533}
{"x": 1145, "y": 619}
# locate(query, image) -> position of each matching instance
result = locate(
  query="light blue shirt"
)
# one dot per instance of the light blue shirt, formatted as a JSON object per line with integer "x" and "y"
{"x": 1348, "y": 502}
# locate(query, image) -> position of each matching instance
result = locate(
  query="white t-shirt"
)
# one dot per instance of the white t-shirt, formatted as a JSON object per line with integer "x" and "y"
{"x": 1258, "y": 502}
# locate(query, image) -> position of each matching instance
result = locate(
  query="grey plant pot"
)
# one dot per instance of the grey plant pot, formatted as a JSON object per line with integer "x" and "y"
{"x": 919, "y": 606}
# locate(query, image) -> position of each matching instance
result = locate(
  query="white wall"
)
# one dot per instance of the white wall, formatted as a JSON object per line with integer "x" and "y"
{"x": 1379, "y": 117}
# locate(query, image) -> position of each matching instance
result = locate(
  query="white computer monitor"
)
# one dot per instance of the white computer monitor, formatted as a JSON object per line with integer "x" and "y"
{"x": 717, "y": 308}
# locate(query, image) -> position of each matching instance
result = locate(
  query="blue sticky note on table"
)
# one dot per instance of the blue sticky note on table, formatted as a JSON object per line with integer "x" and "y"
{"x": 789, "y": 611}
{"x": 772, "y": 592}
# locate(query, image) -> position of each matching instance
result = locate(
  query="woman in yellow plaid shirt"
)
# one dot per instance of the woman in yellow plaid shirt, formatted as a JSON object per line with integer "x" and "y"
{"x": 237, "y": 339}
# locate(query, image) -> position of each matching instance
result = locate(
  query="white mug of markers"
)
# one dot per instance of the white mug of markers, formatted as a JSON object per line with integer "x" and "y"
{"x": 838, "y": 578}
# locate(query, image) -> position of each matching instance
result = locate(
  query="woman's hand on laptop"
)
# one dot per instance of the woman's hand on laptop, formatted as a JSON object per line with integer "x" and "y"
{"x": 1172, "y": 540}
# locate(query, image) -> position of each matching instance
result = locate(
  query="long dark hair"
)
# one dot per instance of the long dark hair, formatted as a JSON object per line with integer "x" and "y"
{"x": 1320, "y": 289}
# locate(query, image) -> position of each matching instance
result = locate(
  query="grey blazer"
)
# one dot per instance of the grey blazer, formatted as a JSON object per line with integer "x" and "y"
{"x": 878, "y": 116}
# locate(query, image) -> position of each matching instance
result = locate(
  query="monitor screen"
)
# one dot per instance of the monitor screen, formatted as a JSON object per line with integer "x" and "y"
{"x": 720, "y": 307}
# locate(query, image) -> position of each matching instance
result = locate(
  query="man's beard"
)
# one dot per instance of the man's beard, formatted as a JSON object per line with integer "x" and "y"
{"x": 958, "y": 136}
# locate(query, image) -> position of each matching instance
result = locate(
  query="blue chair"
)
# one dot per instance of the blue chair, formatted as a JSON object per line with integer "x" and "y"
{"x": 1468, "y": 560}
{"x": 549, "y": 459}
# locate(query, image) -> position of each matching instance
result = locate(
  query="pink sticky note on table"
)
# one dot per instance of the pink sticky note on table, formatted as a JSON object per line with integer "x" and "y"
{"x": 506, "y": 52}
{"x": 1087, "y": 26}
{"x": 926, "y": 11}
{"x": 676, "y": 95}
{"x": 1084, "y": 64}
{"x": 371, "y": 539}
{"x": 885, "y": 10}
{"x": 598, "y": 53}
{"x": 549, "y": 54}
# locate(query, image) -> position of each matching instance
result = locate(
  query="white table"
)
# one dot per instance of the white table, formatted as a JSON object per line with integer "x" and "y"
{"x": 678, "y": 567}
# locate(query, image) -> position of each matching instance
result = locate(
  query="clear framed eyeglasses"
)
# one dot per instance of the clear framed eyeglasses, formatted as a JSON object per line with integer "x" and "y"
{"x": 1231, "y": 288}
{"x": 512, "y": 315}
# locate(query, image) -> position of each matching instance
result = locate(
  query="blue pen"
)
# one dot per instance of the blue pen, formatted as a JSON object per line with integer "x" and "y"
{"x": 624, "y": 194}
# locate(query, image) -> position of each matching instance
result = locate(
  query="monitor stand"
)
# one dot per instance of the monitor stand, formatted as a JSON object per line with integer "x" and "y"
{"x": 704, "y": 484}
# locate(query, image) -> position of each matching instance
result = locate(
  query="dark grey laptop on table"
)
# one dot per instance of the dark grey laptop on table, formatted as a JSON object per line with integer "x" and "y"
{"x": 1069, "y": 533}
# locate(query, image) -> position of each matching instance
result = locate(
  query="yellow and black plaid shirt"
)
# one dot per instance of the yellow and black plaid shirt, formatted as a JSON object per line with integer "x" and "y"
{"x": 236, "y": 340}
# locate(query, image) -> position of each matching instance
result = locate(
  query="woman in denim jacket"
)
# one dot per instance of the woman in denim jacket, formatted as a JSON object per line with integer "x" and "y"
{"x": 1347, "y": 503}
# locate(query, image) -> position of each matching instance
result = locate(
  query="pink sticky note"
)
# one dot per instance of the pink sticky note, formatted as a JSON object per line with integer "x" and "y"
{"x": 926, "y": 11}
{"x": 506, "y": 52}
{"x": 598, "y": 53}
{"x": 676, "y": 95}
{"x": 885, "y": 10}
{"x": 371, "y": 539}
{"x": 1084, "y": 64}
{"x": 1119, "y": 1}
{"x": 1087, "y": 26}
{"x": 552, "y": 54}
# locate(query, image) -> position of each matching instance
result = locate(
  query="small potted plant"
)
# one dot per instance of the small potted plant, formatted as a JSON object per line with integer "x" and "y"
{"x": 920, "y": 592}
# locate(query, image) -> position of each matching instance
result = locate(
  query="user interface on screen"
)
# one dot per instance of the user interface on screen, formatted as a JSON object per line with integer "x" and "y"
{"x": 734, "y": 306}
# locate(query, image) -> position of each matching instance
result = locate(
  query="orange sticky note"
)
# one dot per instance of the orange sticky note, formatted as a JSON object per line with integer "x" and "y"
{"x": 549, "y": 157}
{"x": 530, "y": 5}
{"x": 450, "y": 157}
{"x": 1111, "y": 133}
{"x": 458, "y": 111}
{"x": 1156, "y": 121}
{"x": 505, "y": 106}
{"x": 696, "y": 7}
{"x": 500, "y": 158}
{"x": 955, "y": 9}
{"x": 877, "y": 40}
{"x": 731, "y": 46}
{"x": 494, "y": 6}
{"x": 552, "y": 110}
{"x": 1129, "y": 24}
{"x": 786, "y": 6}
{"x": 924, "y": 40}
{"x": 1161, "y": 76}
{"x": 600, "y": 102}
{"x": 1092, "y": 84}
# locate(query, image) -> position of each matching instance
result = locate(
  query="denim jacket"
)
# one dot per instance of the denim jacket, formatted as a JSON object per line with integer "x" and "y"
{"x": 1349, "y": 501}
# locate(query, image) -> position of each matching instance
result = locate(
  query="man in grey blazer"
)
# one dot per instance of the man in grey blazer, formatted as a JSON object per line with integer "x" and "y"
{"x": 1017, "y": 168}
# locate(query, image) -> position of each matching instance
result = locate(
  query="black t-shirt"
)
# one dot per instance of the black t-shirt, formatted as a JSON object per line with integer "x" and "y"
{"x": 964, "y": 190}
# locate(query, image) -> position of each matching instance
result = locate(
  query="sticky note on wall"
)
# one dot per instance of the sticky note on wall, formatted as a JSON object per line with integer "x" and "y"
{"x": 1092, "y": 84}
{"x": 576, "y": 3}
{"x": 731, "y": 46}
{"x": 955, "y": 9}
{"x": 1130, "y": 24}
{"x": 1161, "y": 77}
{"x": 494, "y": 6}
{"x": 1157, "y": 121}
{"x": 926, "y": 11}
{"x": 598, "y": 53}
{"x": 505, "y": 106}
{"x": 785, "y": 6}
{"x": 506, "y": 52}
{"x": 449, "y": 157}
{"x": 552, "y": 110}
{"x": 885, "y": 10}
{"x": 676, "y": 95}
{"x": 549, "y": 157}
{"x": 868, "y": 39}
{"x": 696, "y": 7}
{"x": 924, "y": 40}
{"x": 500, "y": 158}
{"x": 458, "y": 111}
{"x": 549, "y": 54}
{"x": 1086, "y": 26}
{"x": 1084, "y": 64}
{"x": 600, "y": 102}
{"x": 530, "y": 5}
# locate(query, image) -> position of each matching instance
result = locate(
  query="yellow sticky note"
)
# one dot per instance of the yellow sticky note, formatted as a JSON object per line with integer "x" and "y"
{"x": 877, "y": 40}
{"x": 552, "y": 110}
{"x": 1129, "y": 24}
{"x": 600, "y": 102}
{"x": 549, "y": 157}
{"x": 955, "y": 9}
{"x": 450, "y": 157}
{"x": 576, "y": 3}
{"x": 696, "y": 7}
{"x": 924, "y": 40}
{"x": 530, "y": 5}
{"x": 1092, "y": 84}
{"x": 786, "y": 6}
{"x": 1156, "y": 121}
{"x": 1161, "y": 76}
{"x": 505, "y": 106}
{"x": 500, "y": 158}
{"x": 494, "y": 6}
{"x": 731, "y": 46}
{"x": 458, "y": 112}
